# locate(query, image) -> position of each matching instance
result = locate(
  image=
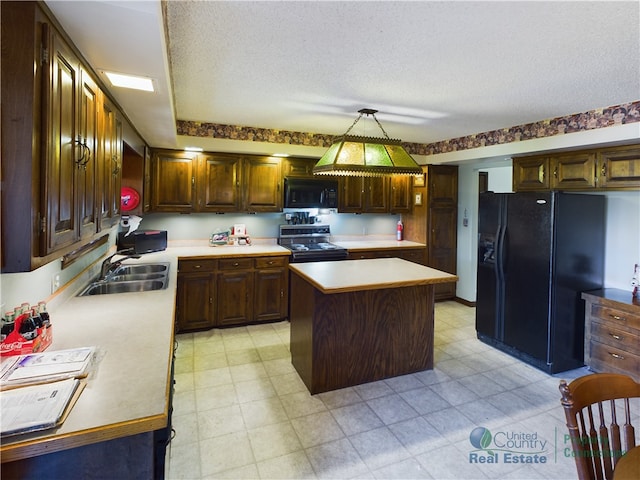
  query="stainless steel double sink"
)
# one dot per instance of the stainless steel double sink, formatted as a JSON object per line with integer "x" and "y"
{"x": 142, "y": 277}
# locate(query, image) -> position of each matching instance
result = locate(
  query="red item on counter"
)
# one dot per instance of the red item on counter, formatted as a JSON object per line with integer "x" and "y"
{"x": 16, "y": 344}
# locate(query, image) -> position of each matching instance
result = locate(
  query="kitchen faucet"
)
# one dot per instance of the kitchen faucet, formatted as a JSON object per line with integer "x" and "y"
{"x": 108, "y": 266}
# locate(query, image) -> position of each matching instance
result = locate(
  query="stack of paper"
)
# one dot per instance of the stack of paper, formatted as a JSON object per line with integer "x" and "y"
{"x": 38, "y": 390}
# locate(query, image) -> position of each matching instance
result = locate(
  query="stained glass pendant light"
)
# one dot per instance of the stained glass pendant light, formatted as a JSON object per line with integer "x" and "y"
{"x": 357, "y": 156}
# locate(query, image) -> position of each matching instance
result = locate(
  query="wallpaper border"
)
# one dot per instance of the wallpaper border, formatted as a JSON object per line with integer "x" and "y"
{"x": 593, "y": 119}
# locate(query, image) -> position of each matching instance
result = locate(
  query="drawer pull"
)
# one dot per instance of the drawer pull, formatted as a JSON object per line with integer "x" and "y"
{"x": 616, "y": 317}
{"x": 196, "y": 266}
{"x": 236, "y": 264}
{"x": 616, "y": 337}
{"x": 615, "y": 355}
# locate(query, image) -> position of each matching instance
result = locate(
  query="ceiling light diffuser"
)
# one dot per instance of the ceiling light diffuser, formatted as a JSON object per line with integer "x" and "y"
{"x": 130, "y": 81}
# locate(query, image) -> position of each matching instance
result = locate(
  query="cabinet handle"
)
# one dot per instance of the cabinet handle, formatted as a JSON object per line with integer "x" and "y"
{"x": 616, "y": 317}
{"x": 555, "y": 172}
{"x": 116, "y": 167}
{"x": 236, "y": 264}
{"x": 210, "y": 300}
{"x": 603, "y": 171}
{"x": 616, "y": 337}
{"x": 196, "y": 266}
{"x": 270, "y": 262}
{"x": 86, "y": 153}
{"x": 615, "y": 355}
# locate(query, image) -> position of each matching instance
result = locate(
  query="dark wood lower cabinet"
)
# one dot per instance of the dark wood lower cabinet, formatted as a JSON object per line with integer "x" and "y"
{"x": 231, "y": 291}
{"x": 196, "y": 294}
{"x": 234, "y": 289}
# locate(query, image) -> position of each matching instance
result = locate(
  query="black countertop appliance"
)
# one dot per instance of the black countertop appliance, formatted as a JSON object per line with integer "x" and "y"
{"x": 142, "y": 241}
{"x": 536, "y": 253}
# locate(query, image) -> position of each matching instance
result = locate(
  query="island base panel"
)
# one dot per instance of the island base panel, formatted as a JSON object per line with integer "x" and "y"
{"x": 345, "y": 339}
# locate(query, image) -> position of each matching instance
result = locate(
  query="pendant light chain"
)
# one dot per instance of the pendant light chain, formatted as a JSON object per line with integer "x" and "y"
{"x": 353, "y": 124}
{"x": 367, "y": 112}
{"x": 385, "y": 133}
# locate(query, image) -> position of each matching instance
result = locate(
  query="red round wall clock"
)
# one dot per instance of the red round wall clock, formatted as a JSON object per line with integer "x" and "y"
{"x": 129, "y": 199}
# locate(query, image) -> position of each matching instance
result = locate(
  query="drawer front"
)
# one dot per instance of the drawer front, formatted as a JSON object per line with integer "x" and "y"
{"x": 205, "y": 265}
{"x": 235, "y": 263}
{"x": 604, "y": 356}
{"x": 616, "y": 317}
{"x": 270, "y": 262}
{"x": 609, "y": 335}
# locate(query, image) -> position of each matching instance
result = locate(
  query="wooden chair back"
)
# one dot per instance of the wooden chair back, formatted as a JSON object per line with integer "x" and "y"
{"x": 595, "y": 406}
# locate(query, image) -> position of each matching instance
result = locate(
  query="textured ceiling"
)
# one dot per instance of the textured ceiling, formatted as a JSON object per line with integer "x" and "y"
{"x": 434, "y": 70}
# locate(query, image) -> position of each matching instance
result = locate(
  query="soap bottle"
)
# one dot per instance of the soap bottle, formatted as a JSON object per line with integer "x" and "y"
{"x": 399, "y": 230}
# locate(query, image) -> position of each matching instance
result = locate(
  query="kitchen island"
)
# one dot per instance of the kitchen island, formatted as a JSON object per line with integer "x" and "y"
{"x": 358, "y": 321}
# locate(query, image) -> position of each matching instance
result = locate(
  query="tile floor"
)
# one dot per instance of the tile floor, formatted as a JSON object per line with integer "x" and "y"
{"x": 242, "y": 412}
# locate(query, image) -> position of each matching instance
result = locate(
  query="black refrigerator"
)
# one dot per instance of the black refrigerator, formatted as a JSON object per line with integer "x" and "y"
{"x": 537, "y": 251}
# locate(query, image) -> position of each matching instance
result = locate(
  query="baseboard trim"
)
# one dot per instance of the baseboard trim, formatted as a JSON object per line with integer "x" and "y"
{"x": 465, "y": 302}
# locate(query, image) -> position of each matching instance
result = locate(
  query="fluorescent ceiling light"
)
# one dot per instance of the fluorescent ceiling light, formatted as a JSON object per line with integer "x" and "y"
{"x": 193, "y": 149}
{"x": 282, "y": 155}
{"x": 130, "y": 81}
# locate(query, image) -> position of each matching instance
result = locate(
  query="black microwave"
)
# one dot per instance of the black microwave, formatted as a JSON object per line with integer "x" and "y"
{"x": 310, "y": 193}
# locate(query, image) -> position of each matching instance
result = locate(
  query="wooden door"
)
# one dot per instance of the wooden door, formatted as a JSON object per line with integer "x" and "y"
{"x": 195, "y": 301}
{"x": 234, "y": 290}
{"x": 262, "y": 184}
{"x": 351, "y": 198}
{"x": 173, "y": 184}
{"x": 298, "y": 167}
{"x": 619, "y": 167}
{"x": 146, "y": 181}
{"x": 115, "y": 169}
{"x": 376, "y": 191}
{"x": 87, "y": 168}
{"x": 108, "y": 167}
{"x": 219, "y": 183}
{"x": 269, "y": 294}
{"x": 531, "y": 174}
{"x": 442, "y": 218}
{"x": 62, "y": 147}
{"x": 573, "y": 171}
{"x": 401, "y": 193}
{"x": 442, "y": 246}
{"x": 271, "y": 289}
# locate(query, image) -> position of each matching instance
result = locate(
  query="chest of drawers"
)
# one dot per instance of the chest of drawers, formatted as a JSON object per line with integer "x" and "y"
{"x": 612, "y": 332}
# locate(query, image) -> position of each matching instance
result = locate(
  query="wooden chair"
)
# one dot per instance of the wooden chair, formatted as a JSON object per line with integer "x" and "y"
{"x": 592, "y": 405}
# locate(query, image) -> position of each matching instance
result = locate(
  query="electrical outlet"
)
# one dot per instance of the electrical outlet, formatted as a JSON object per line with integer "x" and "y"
{"x": 55, "y": 283}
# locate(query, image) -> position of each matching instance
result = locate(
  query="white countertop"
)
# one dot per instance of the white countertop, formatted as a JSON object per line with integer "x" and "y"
{"x": 371, "y": 274}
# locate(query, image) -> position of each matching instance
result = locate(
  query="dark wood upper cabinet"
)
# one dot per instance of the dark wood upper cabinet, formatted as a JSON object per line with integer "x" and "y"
{"x": 401, "y": 193}
{"x": 87, "y": 164}
{"x": 220, "y": 183}
{"x": 612, "y": 168}
{"x": 64, "y": 135}
{"x": 62, "y": 147}
{"x": 188, "y": 182}
{"x": 385, "y": 194}
{"x": 262, "y": 184}
{"x": 173, "y": 181}
{"x": 619, "y": 167}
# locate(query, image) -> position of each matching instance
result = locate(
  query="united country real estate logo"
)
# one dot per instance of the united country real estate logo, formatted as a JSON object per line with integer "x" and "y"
{"x": 506, "y": 446}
